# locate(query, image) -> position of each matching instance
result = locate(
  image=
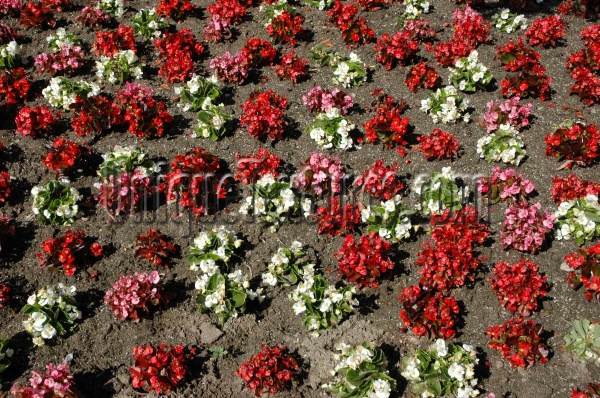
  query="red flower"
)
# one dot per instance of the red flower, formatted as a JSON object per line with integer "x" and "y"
{"x": 35, "y": 122}
{"x": 363, "y": 261}
{"x": 94, "y": 114}
{"x": 109, "y": 43}
{"x": 64, "y": 155}
{"x": 547, "y": 31}
{"x": 333, "y": 220}
{"x": 158, "y": 368}
{"x": 146, "y": 116}
{"x": 428, "y": 312}
{"x": 586, "y": 273}
{"x": 135, "y": 295}
{"x": 381, "y": 181}
{"x": 175, "y": 9}
{"x": 178, "y": 51}
{"x": 268, "y": 371}
{"x": 14, "y": 86}
{"x": 421, "y": 76}
{"x": 397, "y": 49}
{"x": 578, "y": 143}
{"x": 250, "y": 168}
{"x": 72, "y": 250}
{"x": 571, "y": 187}
{"x": 263, "y": 115}
{"x": 292, "y": 68}
{"x": 259, "y": 53}
{"x": 154, "y": 247}
{"x": 354, "y": 30}
{"x": 4, "y": 294}
{"x": 286, "y": 28}
{"x": 438, "y": 145}
{"x": 520, "y": 342}
{"x": 387, "y": 124}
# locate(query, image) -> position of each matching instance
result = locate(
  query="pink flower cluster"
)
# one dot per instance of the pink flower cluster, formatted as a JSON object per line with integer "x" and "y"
{"x": 231, "y": 69}
{"x": 320, "y": 174}
{"x": 133, "y": 295}
{"x": 510, "y": 112}
{"x": 525, "y": 227}
{"x": 319, "y": 100}
{"x": 64, "y": 62}
{"x": 505, "y": 186}
{"x": 55, "y": 382}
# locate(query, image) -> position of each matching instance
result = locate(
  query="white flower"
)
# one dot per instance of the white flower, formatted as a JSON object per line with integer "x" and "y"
{"x": 299, "y": 307}
{"x": 325, "y": 305}
{"x": 456, "y": 371}
{"x": 48, "y": 332}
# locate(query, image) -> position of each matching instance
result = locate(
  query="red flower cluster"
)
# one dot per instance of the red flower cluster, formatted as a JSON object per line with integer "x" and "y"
{"x": 229, "y": 11}
{"x": 571, "y": 187}
{"x": 448, "y": 258}
{"x": 421, "y": 76}
{"x": 268, "y": 371}
{"x": 111, "y": 42}
{"x": 593, "y": 391}
{"x": 123, "y": 194}
{"x": 38, "y": 14}
{"x": 94, "y": 114}
{"x": 14, "y": 86}
{"x": 547, "y": 31}
{"x": 333, "y": 220}
{"x": 263, "y": 115}
{"x": 398, "y": 48}
{"x": 146, "y": 116}
{"x": 438, "y": 145}
{"x": 7, "y": 230}
{"x": 4, "y": 186}
{"x": 520, "y": 342}
{"x": 93, "y": 17}
{"x": 584, "y": 8}
{"x": 178, "y": 51}
{"x": 470, "y": 27}
{"x": 251, "y": 167}
{"x": 448, "y": 52}
{"x": 4, "y": 294}
{"x": 579, "y": 144}
{"x": 531, "y": 79}
{"x": 387, "y": 124}
{"x": 132, "y": 296}
{"x": 285, "y": 28}
{"x": 381, "y": 181}
{"x": 525, "y": 227}
{"x": 519, "y": 286}
{"x": 189, "y": 174}
{"x": 154, "y": 247}
{"x": 292, "y": 68}
{"x": 363, "y": 261}
{"x": 72, "y": 250}
{"x": 259, "y": 53}
{"x": 354, "y": 30}
{"x": 428, "y": 312}
{"x": 586, "y": 265}
{"x": 35, "y": 122}
{"x": 175, "y": 9}
{"x": 158, "y": 368}
{"x": 585, "y": 67}
{"x": 63, "y": 155}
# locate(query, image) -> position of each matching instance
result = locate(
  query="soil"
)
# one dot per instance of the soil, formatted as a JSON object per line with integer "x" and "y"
{"x": 102, "y": 345}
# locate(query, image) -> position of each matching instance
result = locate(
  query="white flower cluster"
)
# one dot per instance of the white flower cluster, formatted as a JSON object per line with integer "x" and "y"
{"x": 438, "y": 191}
{"x": 284, "y": 262}
{"x": 469, "y": 73}
{"x": 120, "y": 67}
{"x": 508, "y": 22}
{"x": 210, "y": 247}
{"x": 578, "y": 219}
{"x": 350, "y": 72}
{"x": 114, "y": 8}
{"x": 331, "y": 130}
{"x": 148, "y": 24}
{"x": 126, "y": 159}
{"x": 198, "y": 93}
{"x": 62, "y": 38}
{"x": 320, "y": 4}
{"x": 446, "y": 106}
{"x": 217, "y": 300}
{"x": 273, "y": 201}
{"x": 414, "y": 9}
{"x": 44, "y": 305}
{"x": 390, "y": 219}
{"x": 325, "y": 300}
{"x": 504, "y": 145}
{"x": 456, "y": 361}
{"x": 9, "y": 53}
{"x": 372, "y": 381}
{"x": 62, "y": 206}
{"x": 62, "y": 93}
